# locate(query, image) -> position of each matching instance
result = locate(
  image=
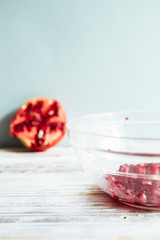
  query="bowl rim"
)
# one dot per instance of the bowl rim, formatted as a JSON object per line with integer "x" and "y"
{"x": 72, "y": 129}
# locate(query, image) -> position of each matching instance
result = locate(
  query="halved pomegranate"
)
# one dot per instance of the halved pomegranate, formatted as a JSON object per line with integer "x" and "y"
{"x": 39, "y": 123}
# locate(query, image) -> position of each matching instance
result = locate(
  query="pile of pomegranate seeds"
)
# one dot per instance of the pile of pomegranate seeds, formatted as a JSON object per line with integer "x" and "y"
{"x": 136, "y": 189}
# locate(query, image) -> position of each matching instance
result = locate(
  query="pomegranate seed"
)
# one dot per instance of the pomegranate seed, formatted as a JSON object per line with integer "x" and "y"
{"x": 136, "y": 189}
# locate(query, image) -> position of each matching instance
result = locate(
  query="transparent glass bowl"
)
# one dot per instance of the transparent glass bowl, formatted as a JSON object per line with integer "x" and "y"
{"x": 121, "y": 152}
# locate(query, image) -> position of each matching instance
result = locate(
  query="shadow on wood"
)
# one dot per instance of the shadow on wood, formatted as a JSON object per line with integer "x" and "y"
{"x": 97, "y": 198}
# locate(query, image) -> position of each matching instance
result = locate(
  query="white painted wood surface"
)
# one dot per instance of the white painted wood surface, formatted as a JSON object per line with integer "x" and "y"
{"x": 48, "y": 196}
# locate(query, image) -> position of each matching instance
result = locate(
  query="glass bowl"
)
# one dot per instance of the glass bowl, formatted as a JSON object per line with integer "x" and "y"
{"x": 121, "y": 152}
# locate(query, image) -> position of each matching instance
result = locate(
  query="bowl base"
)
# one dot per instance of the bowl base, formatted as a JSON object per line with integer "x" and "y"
{"x": 148, "y": 208}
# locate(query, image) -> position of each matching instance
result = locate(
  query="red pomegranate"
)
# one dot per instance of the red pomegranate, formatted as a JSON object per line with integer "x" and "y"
{"x": 40, "y": 123}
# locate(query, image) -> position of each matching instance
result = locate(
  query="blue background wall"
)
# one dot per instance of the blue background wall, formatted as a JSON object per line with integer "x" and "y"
{"x": 92, "y": 55}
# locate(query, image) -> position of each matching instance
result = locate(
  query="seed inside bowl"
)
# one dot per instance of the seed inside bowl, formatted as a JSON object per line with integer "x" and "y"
{"x": 136, "y": 189}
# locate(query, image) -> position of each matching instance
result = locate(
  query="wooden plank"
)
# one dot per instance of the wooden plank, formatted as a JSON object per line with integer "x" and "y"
{"x": 48, "y": 196}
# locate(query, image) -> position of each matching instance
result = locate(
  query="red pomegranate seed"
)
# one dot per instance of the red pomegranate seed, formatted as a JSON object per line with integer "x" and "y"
{"x": 136, "y": 189}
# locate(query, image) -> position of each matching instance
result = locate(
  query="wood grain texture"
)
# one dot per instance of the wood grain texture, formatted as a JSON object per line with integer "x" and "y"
{"x": 48, "y": 196}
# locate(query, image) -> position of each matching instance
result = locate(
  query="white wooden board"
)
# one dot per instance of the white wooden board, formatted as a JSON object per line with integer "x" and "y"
{"x": 48, "y": 196}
